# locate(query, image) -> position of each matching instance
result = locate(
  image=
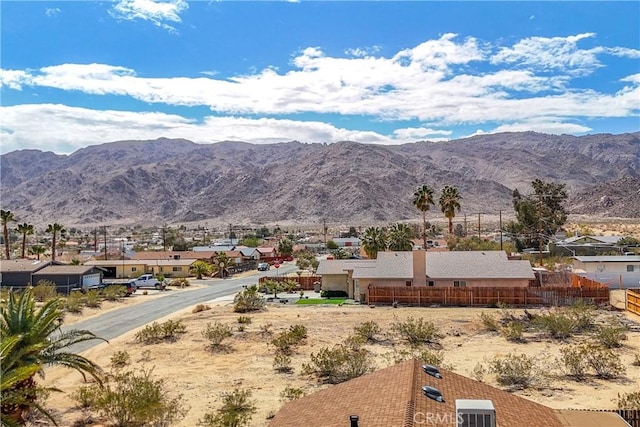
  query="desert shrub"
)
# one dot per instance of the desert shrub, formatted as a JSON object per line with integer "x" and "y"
{"x": 200, "y": 307}
{"x": 479, "y": 371}
{"x": 513, "y": 332}
{"x": 416, "y": 331}
{"x": 92, "y": 299}
{"x": 574, "y": 360}
{"x": 282, "y": 362}
{"x": 506, "y": 313}
{"x": 338, "y": 364}
{"x": 114, "y": 292}
{"x": 291, "y": 393}
{"x": 74, "y": 302}
{"x": 158, "y": 332}
{"x": 244, "y": 320}
{"x": 265, "y": 330}
{"x": 629, "y": 400}
{"x": 555, "y": 324}
{"x": 215, "y": 333}
{"x": 289, "y": 286}
{"x": 298, "y": 332}
{"x": 249, "y": 299}
{"x": 514, "y": 371}
{"x": 334, "y": 294}
{"x": 582, "y": 314}
{"x": 611, "y": 334}
{"x": 44, "y": 290}
{"x": 489, "y": 322}
{"x": 354, "y": 341}
{"x": 237, "y": 411}
{"x": 86, "y": 396}
{"x": 368, "y": 331}
{"x": 136, "y": 399}
{"x": 636, "y": 360}
{"x": 604, "y": 361}
{"x": 428, "y": 356}
{"x": 120, "y": 359}
{"x": 180, "y": 282}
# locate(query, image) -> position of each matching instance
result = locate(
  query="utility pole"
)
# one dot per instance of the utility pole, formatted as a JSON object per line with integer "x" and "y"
{"x": 500, "y": 229}
{"x": 479, "y": 239}
{"x": 104, "y": 230}
{"x": 465, "y": 225}
{"x": 230, "y": 235}
{"x": 164, "y": 237}
{"x": 324, "y": 228}
{"x": 95, "y": 240}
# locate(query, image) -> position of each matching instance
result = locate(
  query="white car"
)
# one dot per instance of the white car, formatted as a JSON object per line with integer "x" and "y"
{"x": 263, "y": 266}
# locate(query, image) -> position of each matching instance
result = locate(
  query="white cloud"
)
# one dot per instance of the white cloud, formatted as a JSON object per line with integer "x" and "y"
{"x": 52, "y": 11}
{"x": 543, "y": 126}
{"x": 14, "y": 79}
{"x": 156, "y": 12}
{"x": 418, "y": 133}
{"x": 360, "y": 52}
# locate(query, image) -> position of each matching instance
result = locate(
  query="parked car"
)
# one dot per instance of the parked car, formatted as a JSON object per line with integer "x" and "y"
{"x": 263, "y": 266}
{"x": 147, "y": 281}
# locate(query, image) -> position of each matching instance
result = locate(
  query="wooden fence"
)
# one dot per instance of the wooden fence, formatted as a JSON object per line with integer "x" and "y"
{"x": 585, "y": 282}
{"x": 481, "y": 296}
{"x": 304, "y": 282}
{"x": 633, "y": 301}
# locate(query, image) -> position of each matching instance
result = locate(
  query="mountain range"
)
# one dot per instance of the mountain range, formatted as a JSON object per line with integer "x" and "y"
{"x": 178, "y": 181}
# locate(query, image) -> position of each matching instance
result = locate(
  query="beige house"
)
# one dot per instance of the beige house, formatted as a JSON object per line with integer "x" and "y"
{"x": 128, "y": 268}
{"x": 421, "y": 268}
{"x": 607, "y": 264}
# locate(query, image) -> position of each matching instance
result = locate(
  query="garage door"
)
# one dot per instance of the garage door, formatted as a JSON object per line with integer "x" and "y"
{"x": 91, "y": 280}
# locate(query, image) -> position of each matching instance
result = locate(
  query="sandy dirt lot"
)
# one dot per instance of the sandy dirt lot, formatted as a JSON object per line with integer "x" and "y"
{"x": 200, "y": 375}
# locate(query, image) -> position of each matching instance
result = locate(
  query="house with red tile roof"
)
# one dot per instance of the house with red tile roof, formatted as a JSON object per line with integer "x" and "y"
{"x": 411, "y": 394}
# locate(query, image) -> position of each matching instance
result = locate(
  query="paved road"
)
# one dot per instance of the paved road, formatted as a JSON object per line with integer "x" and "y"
{"x": 117, "y": 322}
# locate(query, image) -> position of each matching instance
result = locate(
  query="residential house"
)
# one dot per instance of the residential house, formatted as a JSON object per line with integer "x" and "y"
{"x": 348, "y": 242}
{"x": 213, "y": 248}
{"x": 411, "y": 394}
{"x": 615, "y": 271}
{"x": 267, "y": 252}
{"x": 122, "y": 269}
{"x": 588, "y": 245}
{"x": 18, "y": 272}
{"x": 70, "y": 277}
{"x": 422, "y": 268}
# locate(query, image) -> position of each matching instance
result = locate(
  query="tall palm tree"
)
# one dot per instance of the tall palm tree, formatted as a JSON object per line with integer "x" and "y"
{"x": 374, "y": 241}
{"x": 37, "y": 250}
{"x": 26, "y": 230}
{"x": 400, "y": 236}
{"x": 200, "y": 268}
{"x": 32, "y": 339}
{"x": 7, "y": 217}
{"x": 450, "y": 203}
{"x": 54, "y": 229}
{"x": 221, "y": 264}
{"x": 423, "y": 200}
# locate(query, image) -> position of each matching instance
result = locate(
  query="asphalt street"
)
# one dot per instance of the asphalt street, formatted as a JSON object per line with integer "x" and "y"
{"x": 114, "y": 323}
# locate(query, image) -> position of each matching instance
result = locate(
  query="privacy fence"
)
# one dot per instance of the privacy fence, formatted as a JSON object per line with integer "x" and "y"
{"x": 486, "y": 296}
{"x": 633, "y": 301}
{"x": 304, "y": 282}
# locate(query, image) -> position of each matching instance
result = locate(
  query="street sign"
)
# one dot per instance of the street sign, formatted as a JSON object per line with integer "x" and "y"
{"x": 276, "y": 265}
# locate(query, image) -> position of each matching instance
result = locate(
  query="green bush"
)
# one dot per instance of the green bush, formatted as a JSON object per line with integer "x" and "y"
{"x": 181, "y": 282}
{"x": 249, "y": 299}
{"x": 515, "y": 371}
{"x": 286, "y": 340}
{"x": 86, "y": 396}
{"x": 282, "y": 362}
{"x": 92, "y": 299}
{"x": 44, "y": 290}
{"x": 604, "y": 361}
{"x": 132, "y": 399}
{"x": 74, "y": 302}
{"x": 555, "y": 324}
{"x": 489, "y": 322}
{"x": 368, "y": 331}
{"x": 114, "y": 292}
{"x": 168, "y": 331}
{"x": 120, "y": 359}
{"x": 479, "y": 371}
{"x": 244, "y": 320}
{"x": 574, "y": 360}
{"x": 629, "y": 401}
{"x": 338, "y": 364}
{"x": 611, "y": 334}
{"x": 216, "y": 333}
{"x": 416, "y": 331}
{"x": 513, "y": 332}
{"x": 334, "y": 294}
{"x": 237, "y": 411}
{"x": 291, "y": 393}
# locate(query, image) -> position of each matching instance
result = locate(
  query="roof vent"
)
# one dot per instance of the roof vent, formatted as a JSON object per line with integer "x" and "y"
{"x": 475, "y": 413}
{"x": 432, "y": 393}
{"x": 431, "y": 370}
{"x": 354, "y": 420}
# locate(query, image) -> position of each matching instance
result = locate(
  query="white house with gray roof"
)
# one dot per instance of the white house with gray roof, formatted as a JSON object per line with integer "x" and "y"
{"x": 421, "y": 268}
{"x": 617, "y": 271}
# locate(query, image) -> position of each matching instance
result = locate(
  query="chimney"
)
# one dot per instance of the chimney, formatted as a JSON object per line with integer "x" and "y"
{"x": 354, "y": 420}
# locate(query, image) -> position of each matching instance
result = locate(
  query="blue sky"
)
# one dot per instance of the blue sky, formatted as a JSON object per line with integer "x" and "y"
{"x": 75, "y": 73}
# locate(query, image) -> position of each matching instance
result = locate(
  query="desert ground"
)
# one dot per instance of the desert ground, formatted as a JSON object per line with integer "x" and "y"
{"x": 199, "y": 375}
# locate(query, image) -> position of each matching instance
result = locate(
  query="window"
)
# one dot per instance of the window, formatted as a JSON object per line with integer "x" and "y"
{"x": 630, "y": 268}
{"x": 407, "y": 283}
{"x": 177, "y": 268}
{"x": 133, "y": 269}
{"x": 431, "y": 283}
{"x": 460, "y": 283}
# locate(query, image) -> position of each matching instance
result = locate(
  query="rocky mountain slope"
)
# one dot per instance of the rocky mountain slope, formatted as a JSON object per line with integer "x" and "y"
{"x": 177, "y": 181}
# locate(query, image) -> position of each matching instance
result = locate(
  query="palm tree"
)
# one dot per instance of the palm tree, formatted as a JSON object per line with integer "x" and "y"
{"x": 374, "y": 241}
{"x": 400, "y": 236}
{"x": 450, "y": 203}
{"x": 7, "y": 217}
{"x": 32, "y": 339}
{"x": 37, "y": 250}
{"x": 24, "y": 229}
{"x": 422, "y": 200}
{"x": 221, "y": 263}
{"x": 54, "y": 229}
{"x": 200, "y": 268}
